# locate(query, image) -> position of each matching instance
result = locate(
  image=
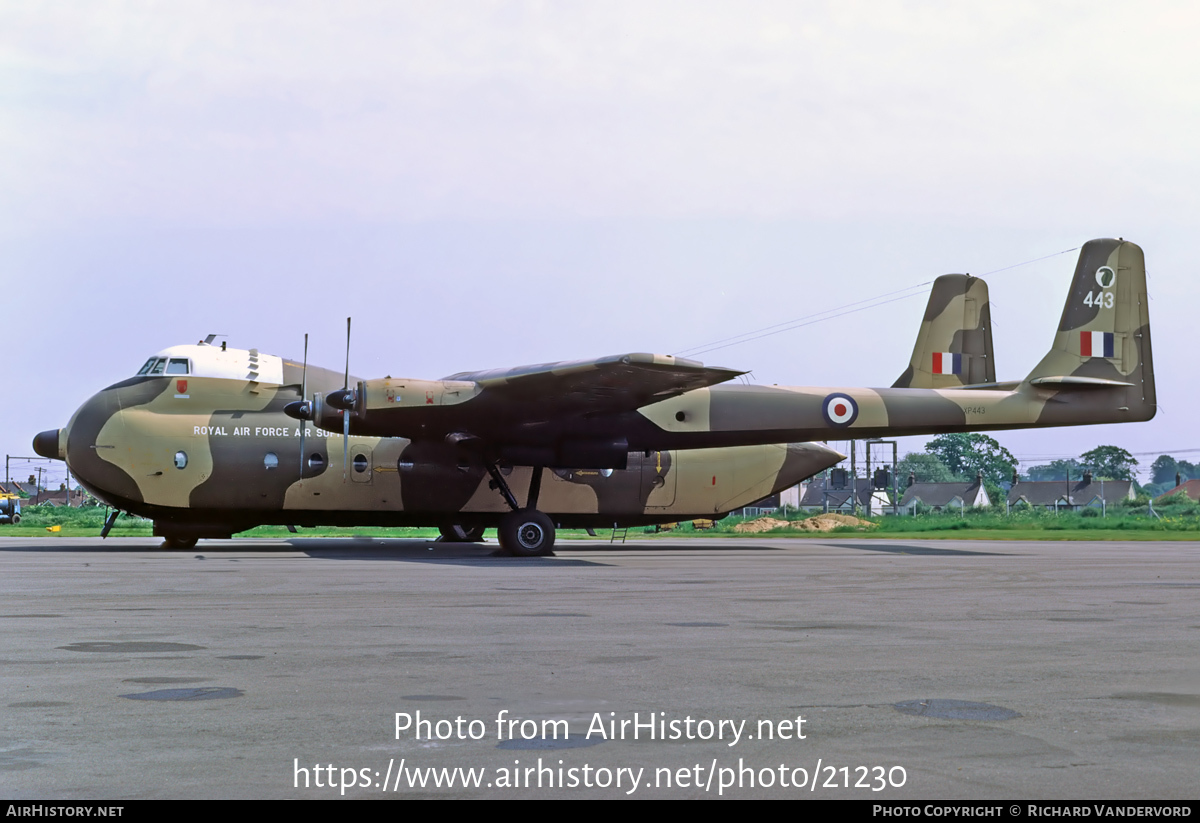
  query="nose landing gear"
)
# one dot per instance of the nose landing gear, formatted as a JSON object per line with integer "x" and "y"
{"x": 177, "y": 542}
{"x": 461, "y": 534}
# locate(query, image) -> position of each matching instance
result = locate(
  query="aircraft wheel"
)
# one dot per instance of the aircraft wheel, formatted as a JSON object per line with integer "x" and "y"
{"x": 461, "y": 534}
{"x": 527, "y": 533}
{"x": 179, "y": 542}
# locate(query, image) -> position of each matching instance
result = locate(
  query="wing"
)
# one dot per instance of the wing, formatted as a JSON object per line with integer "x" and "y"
{"x": 532, "y": 405}
{"x": 621, "y": 382}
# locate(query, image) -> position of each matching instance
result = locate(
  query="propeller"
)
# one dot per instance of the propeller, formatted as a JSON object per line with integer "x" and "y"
{"x": 344, "y": 399}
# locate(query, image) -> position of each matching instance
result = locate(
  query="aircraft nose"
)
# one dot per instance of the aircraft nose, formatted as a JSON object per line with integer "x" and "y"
{"x": 50, "y": 444}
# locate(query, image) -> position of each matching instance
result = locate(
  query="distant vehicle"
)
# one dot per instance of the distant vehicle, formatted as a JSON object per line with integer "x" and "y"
{"x": 10, "y": 509}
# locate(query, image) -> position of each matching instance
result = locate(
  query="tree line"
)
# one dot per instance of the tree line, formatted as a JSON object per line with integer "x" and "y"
{"x": 963, "y": 457}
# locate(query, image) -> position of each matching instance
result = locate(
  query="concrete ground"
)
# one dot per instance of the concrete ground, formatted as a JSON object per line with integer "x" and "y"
{"x": 959, "y": 670}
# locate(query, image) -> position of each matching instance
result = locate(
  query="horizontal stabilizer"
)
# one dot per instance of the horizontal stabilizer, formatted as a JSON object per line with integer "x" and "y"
{"x": 1075, "y": 381}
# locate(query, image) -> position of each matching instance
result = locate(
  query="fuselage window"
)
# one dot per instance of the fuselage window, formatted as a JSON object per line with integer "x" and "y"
{"x": 178, "y": 365}
{"x": 180, "y": 460}
{"x": 360, "y": 463}
{"x": 271, "y": 461}
{"x": 316, "y": 462}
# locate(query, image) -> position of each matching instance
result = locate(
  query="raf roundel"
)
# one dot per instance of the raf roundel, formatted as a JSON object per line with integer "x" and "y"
{"x": 840, "y": 410}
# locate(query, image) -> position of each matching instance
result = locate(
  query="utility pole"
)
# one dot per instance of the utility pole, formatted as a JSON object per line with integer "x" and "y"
{"x": 870, "y": 479}
{"x": 871, "y": 476}
{"x": 853, "y": 482}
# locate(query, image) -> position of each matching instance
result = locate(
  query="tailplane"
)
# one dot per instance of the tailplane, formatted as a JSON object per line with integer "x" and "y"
{"x": 954, "y": 345}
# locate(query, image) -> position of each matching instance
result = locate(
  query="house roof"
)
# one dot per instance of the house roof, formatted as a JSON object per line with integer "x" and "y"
{"x": 814, "y": 495}
{"x": 1191, "y": 488}
{"x": 939, "y": 494}
{"x": 1074, "y": 493}
{"x": 59, "y": 496}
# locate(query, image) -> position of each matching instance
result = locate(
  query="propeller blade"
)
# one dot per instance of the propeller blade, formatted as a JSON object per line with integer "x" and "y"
{"x": 346, "y": 381}
{"x": 346, "y": 411}
{"x": 304, "y": 372}
{"x": 303, "y": 398}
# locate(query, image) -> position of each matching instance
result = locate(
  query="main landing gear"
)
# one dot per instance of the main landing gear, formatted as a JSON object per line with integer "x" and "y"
{"x": 523, "y": 532}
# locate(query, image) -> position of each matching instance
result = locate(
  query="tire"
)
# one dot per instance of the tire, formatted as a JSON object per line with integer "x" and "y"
{"x": 16, "y": 518}
{"x": 527, "y": 533}
{"x": 461, "y": 534}
{"x": 179, "y": 542}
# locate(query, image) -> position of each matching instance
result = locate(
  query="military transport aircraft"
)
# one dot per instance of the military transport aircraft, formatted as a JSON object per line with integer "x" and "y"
{"x": 208, "y": 440}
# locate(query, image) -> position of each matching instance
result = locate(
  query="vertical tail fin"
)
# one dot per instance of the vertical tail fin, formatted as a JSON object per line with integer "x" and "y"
{"x": 954, "y": 345}
{"x": 1103, "y": 338}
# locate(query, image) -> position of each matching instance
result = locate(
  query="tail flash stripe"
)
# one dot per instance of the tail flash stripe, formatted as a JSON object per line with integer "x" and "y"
{"x": 1096, "y": 343}
{"x": 947, "y": 363}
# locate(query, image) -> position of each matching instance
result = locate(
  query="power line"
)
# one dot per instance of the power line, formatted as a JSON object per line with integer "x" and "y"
{"x": 801, "y": 322}
{"x": 839, "y": 311}
{"x": 1157, "y": 453}
{"x": 1027, "y": 262}
{"x": 737, "y": 337}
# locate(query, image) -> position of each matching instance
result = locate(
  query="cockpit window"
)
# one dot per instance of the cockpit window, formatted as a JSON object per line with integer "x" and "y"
{"x": 158, "y": 365}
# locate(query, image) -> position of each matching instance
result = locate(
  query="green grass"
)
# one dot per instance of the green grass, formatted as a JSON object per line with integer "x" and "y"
{"x": 87, "y": 522}
{"x": 1124, "y": 522}
{"x": 84, "y": 522}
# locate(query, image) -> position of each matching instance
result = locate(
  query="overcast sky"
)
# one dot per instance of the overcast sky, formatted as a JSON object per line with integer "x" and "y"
{"x": 491, "y": 184}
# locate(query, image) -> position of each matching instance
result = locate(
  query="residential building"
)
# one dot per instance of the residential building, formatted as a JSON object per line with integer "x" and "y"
{"x": 817, "y": 499}
{"x": 1069, "y": 495}
{"x": 944, "y": 496}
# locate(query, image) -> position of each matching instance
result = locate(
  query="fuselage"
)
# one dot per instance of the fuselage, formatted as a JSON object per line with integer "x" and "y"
{"x": 200, "y": 440}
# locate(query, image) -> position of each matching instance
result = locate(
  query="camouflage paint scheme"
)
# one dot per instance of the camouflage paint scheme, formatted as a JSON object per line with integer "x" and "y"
{"x": 958, "y": 320}
{"x": 628, "y": 439}
{"x": 124, "y": 442}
